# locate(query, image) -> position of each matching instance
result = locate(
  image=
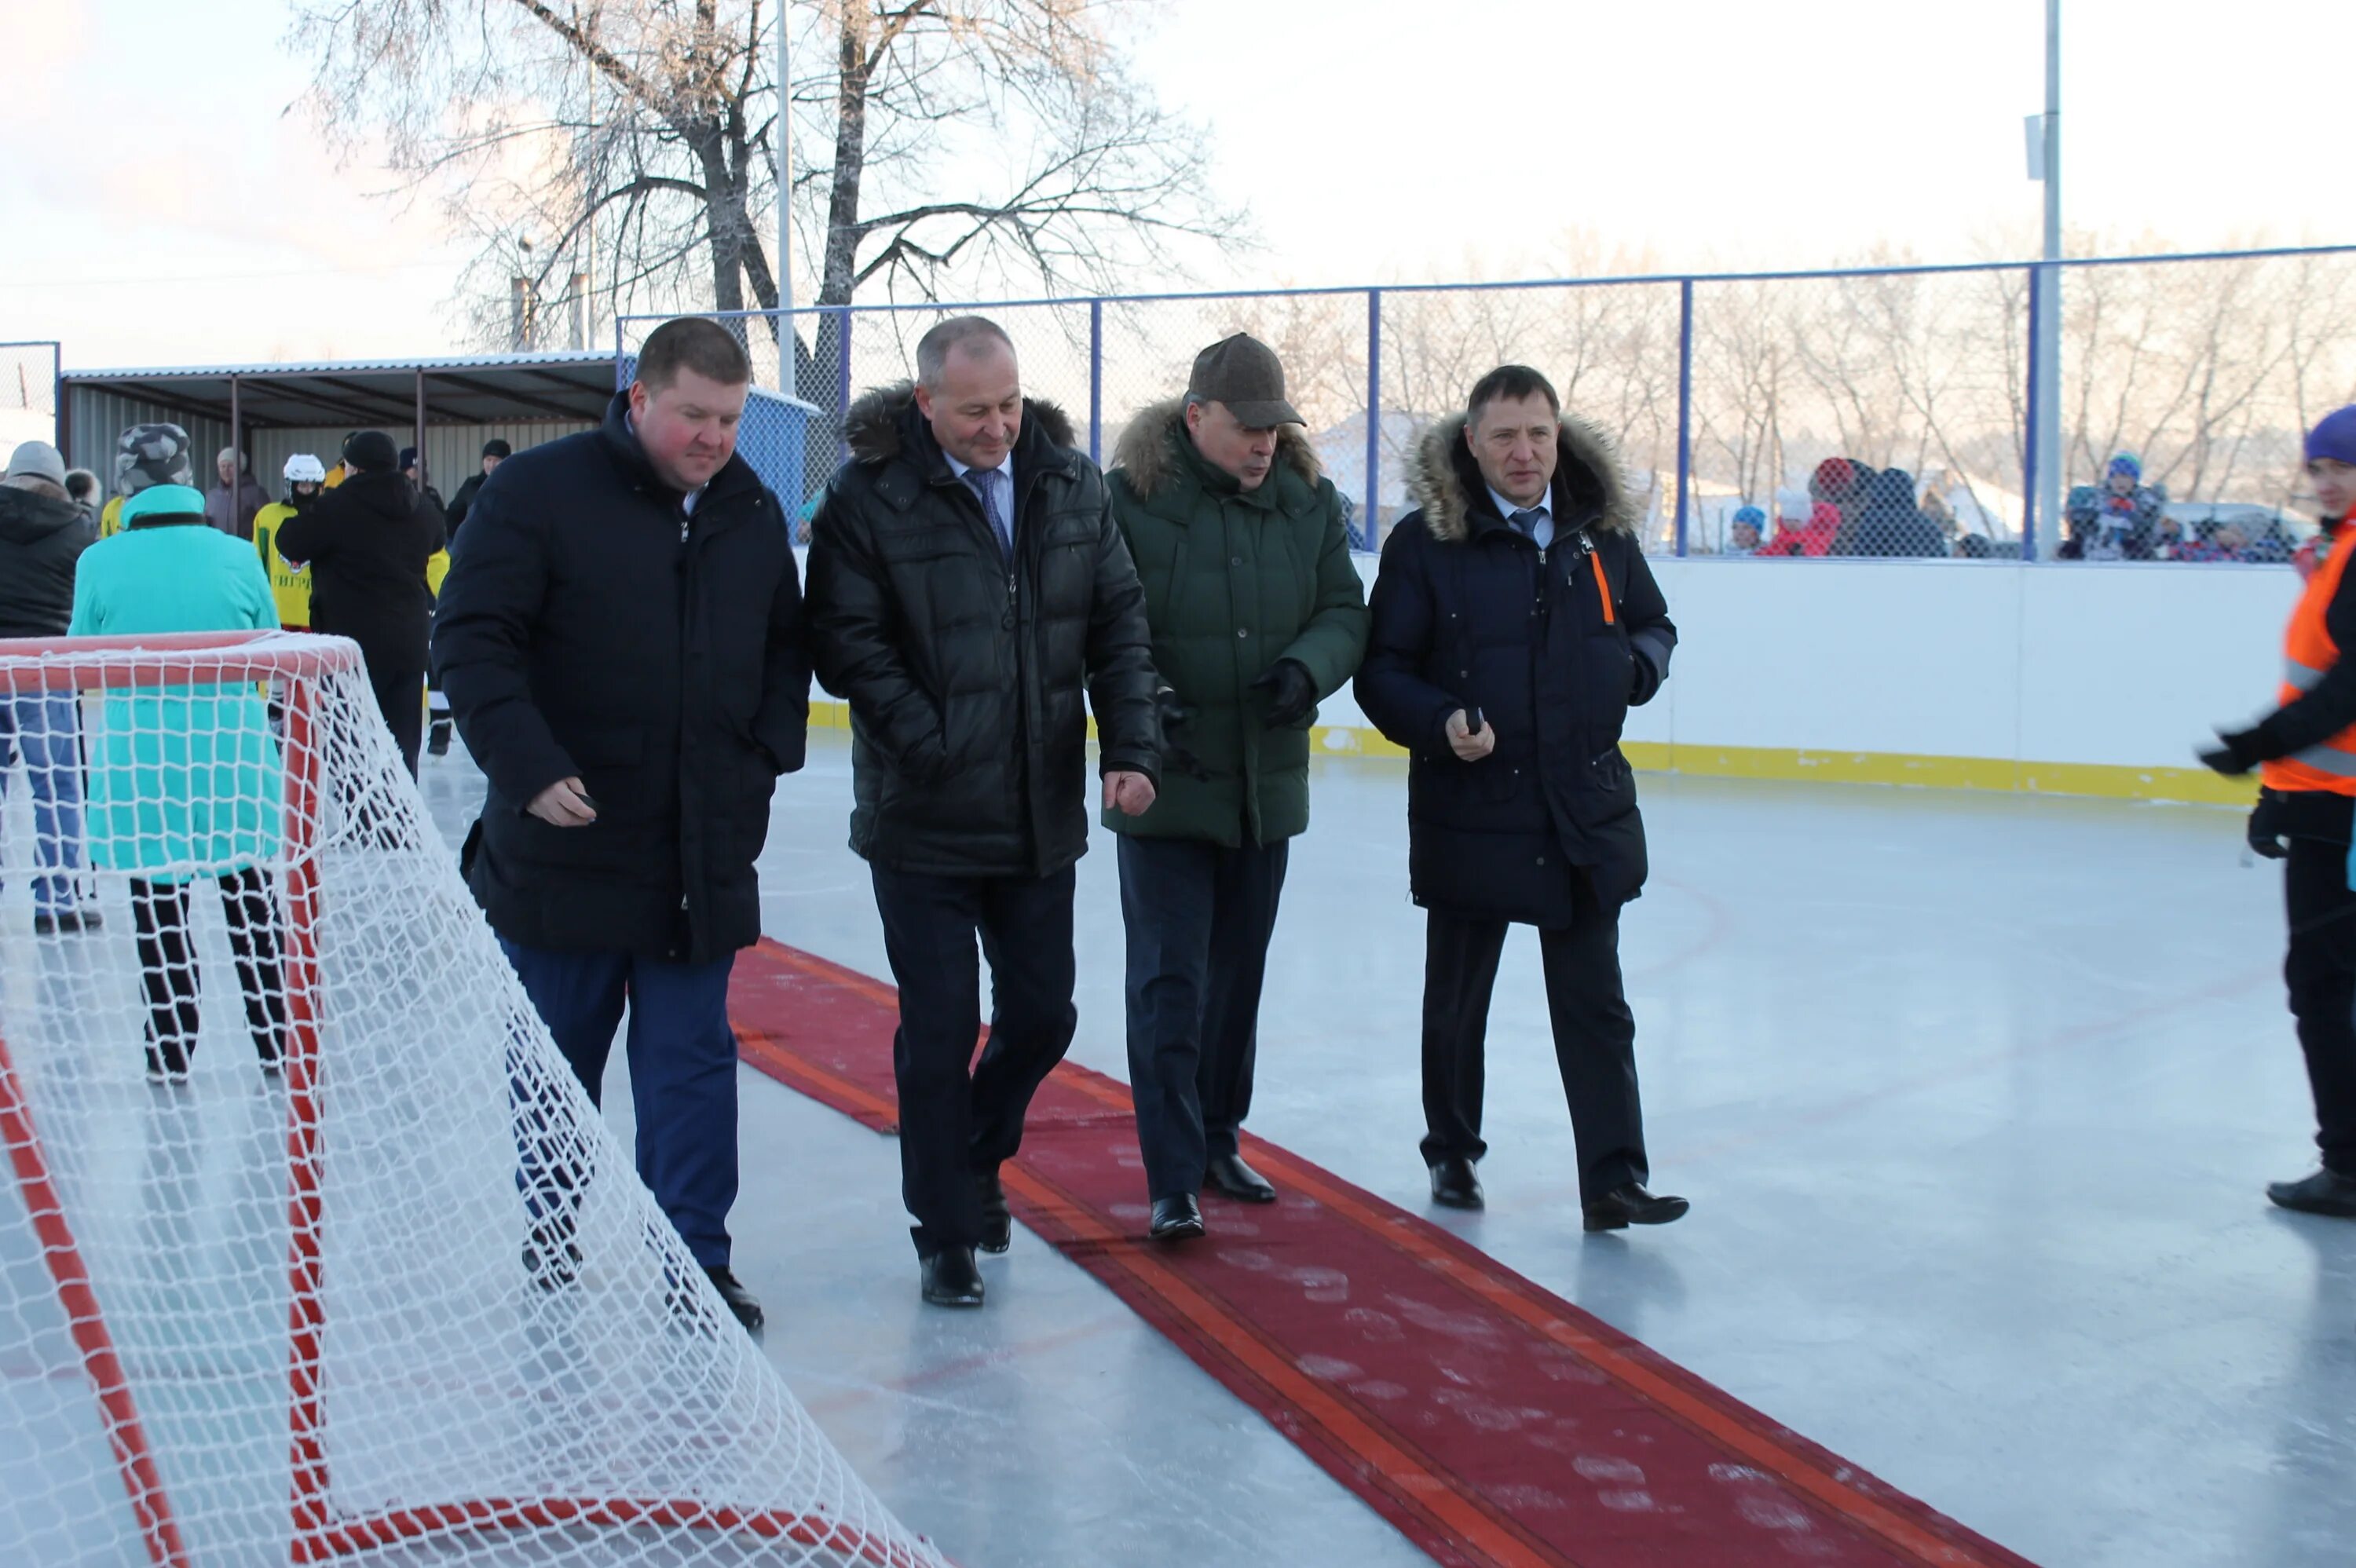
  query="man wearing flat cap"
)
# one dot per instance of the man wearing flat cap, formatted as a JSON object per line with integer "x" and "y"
{"x": 1257, "y": 612}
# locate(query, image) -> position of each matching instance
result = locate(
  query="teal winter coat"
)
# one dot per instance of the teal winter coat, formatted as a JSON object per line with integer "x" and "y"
{"x": 184, "y": 780}
{"x": 1235, "y": 579}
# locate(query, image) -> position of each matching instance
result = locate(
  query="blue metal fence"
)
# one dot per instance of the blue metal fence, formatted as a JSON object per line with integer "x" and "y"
{"x": 1732, "y": 389}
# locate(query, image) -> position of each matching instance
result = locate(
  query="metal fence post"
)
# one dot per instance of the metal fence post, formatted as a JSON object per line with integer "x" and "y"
{"x": 62, "y": 426}
{"x": 1370, "y": 515}
{"x": 2032, "y": 410}
{"x": 1096, "y": 382}
{"x": 1685, "y": 408}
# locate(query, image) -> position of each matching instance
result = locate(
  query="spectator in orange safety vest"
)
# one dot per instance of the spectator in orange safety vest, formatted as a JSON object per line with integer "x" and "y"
{"x": 2307, "y": 751}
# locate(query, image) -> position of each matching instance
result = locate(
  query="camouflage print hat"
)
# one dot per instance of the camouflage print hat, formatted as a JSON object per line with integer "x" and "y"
{"x": 152, "y": 455}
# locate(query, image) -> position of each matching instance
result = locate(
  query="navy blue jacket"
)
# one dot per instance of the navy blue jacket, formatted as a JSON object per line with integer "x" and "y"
{"x": 592, "y": 628}
{"x": 1467, "y": 612}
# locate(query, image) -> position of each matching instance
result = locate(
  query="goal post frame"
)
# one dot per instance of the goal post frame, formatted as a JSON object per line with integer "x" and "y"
{"x": 320, "y": 1534}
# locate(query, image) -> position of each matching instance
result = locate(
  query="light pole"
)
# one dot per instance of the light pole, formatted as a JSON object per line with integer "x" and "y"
{"x": 785, "y": 348}
{"x": 2047, "y": 370}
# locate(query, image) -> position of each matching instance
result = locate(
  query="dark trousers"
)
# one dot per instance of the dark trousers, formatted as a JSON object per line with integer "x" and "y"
{"x": 960, "y": 1119}
{"x": 1199, "y": 917}
{"x": 2321, "y": 973}
{"x": 400, "y": 698}
{"x": 1594, "y": 1040}
{"x": 167, "y": 967}
{"x": 682, "y": 1058}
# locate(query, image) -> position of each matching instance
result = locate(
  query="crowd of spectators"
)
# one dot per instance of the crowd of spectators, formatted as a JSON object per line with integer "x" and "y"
{"x": 1851, "y": 509}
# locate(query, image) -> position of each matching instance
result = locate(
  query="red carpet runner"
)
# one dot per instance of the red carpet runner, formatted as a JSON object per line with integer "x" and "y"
{"x": 1491, "y": 1421}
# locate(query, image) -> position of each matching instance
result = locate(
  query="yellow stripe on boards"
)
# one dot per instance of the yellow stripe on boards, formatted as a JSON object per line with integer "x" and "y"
{"x": 1999, "y": 774}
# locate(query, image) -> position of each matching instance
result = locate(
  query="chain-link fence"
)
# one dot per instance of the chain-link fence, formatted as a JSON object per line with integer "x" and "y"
{"x": 29, "y": 395}
{"x": 1859, "y": 414}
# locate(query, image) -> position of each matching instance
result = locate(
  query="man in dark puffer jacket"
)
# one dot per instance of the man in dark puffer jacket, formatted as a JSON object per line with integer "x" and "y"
{"x": 1515, "y": 624}
{"x": 966, "y": 582}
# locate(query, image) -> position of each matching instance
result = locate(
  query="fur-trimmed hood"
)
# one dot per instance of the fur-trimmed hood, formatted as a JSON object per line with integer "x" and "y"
{"x": 1148, "y": 451}
{"x": 872, "y": 425}
{"x": 1590, "y": 489}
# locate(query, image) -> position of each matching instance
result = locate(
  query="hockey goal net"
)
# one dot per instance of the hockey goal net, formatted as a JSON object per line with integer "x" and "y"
{"x": 311, "y": 1248}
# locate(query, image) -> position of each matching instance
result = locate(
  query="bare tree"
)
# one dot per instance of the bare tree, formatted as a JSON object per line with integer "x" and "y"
{"x": 971, "y": 140}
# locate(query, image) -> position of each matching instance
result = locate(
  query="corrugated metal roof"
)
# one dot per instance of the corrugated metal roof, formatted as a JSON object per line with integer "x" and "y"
{"x": 477, "y": 390}
{"x": 296, "y": 367}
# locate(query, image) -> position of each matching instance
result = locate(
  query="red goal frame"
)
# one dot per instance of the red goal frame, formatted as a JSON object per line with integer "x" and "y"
{"x": 320, "y": 1533}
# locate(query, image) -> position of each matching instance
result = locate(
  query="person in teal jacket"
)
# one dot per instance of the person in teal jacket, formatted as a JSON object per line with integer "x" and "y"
{"x": 1257, "y": 612}
{"x": 185, "y": 780}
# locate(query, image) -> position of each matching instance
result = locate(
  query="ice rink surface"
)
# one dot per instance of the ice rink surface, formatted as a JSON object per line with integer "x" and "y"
{"x": 1974, "y": 1097}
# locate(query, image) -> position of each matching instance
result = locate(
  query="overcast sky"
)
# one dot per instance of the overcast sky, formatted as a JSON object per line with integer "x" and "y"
{"x": 163, "y": 205}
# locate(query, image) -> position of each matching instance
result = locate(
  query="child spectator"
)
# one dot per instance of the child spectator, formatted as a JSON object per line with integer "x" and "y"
{"x": 1743, "y": 537}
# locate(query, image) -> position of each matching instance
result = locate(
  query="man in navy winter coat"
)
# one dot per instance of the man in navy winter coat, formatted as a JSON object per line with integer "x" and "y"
{"x": 621, "y": 640}
{"x": 1515, "y": 624}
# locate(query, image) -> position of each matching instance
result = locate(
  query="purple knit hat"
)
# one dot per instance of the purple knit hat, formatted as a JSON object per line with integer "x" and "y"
{"x": 2334, "y": 436}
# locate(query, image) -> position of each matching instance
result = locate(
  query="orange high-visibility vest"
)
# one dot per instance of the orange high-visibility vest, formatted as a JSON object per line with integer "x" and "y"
{"x": 2308, "y": 652}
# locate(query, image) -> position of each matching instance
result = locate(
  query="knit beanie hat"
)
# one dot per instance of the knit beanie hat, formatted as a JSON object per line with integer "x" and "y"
{"x": 38, "y": 459}
{"x": 2334, "y": 436}
{"x": 369, "y": 450}
{"x": 149, "y": 454}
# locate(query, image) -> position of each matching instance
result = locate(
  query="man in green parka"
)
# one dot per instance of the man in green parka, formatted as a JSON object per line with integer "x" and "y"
{"x": 1257, "y": 612}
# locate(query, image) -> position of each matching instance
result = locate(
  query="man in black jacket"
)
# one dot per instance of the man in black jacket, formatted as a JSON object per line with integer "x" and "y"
{"x": 495, "y": 451}
{"x": 1515, "y": 623}
{"x": 42, "y": 535}
{"x": 966, "y": 582}
{"x": 367, "y": 542}
{"x": 621, "y": 640}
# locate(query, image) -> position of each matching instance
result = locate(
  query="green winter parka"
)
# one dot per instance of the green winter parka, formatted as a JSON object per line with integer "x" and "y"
{"x": 1235, "y": 581}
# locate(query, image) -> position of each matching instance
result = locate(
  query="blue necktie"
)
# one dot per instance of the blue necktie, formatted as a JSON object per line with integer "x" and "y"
{"x": 1527, "y": 519}
{"x": 985, "y": 483}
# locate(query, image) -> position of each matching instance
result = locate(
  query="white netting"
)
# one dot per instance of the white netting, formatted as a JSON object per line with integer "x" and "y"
{"x": 400, "y": 1297}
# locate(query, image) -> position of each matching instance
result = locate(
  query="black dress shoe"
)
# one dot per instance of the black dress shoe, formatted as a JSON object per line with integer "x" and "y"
{"x": 1229, "y": 1175}
{"x": 1630, "y": 1205}
{"x": 952, "y": 1278}
{"x": 1453, "y": 1185}
{"x": 2325, "y": 1192}
{"x": 1177, "y": 1218}
{"x": 741, "y": 1301}
{"x": 997, "y": 1224}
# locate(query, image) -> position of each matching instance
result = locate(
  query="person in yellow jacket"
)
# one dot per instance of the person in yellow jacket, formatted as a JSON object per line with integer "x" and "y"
{"x": 290, "y": 585}
{"x": 437, "y": 706}
{"x": 2305, "y": 751}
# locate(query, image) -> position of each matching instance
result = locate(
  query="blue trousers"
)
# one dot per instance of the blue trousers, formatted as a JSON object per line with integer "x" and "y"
{"x": 682, "y": 1058}
{"x": 45, "y": 728}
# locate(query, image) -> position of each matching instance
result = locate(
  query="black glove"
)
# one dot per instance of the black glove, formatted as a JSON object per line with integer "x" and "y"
{"x": 1174, "y": 715}
{"x": 1292, "y": 693}
{"x": 2232, "y": 755}
{"x": 2265, "y": 826}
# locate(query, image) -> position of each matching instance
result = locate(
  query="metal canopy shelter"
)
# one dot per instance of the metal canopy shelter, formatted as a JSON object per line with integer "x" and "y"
{"x": 388, "y": 393}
